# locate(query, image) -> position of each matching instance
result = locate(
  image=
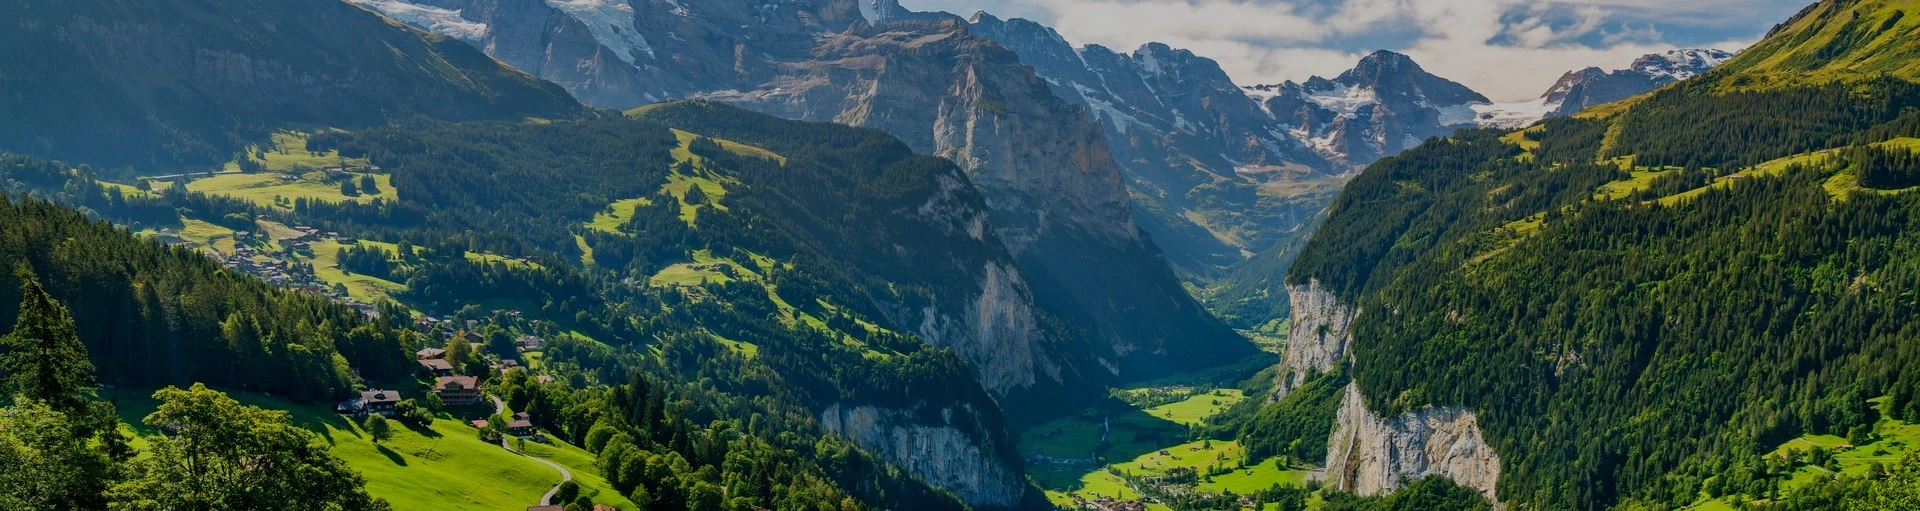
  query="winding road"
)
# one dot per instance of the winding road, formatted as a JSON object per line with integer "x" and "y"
{"x": 500, "y": 408}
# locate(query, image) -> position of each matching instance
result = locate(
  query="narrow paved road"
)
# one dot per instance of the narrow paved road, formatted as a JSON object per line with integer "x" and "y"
{"x": 500, "y": 408}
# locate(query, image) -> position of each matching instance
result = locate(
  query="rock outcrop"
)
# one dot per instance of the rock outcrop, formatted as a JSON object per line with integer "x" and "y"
{"x": 1318, "y": 338}
{"x": 1368, "y": 454}
{"x": 950, "y": 452}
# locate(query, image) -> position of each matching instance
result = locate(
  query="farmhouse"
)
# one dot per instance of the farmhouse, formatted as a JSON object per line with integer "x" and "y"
{"x": 458, "y": 390}
{"x": 520, "y": 427}
{"x": 439, "y": 367}
{"x": 378, "y": 401}
{"x": 427, "y": 353}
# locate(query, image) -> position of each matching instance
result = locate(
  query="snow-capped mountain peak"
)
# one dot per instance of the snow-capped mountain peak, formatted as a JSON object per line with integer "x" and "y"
{"x": 1679, "y": 65}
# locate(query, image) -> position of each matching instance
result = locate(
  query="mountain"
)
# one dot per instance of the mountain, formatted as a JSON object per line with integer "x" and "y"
{"x": 1048, "y": 175}
{"x": 1829, "y": 41}
{"x": 1578, "y": 90}
{"x": 806, "y": 234}
{"x": 1385, "y": 104}
{"x": 164, "y": 84}
{"x": 1511, "y": 310}
{"x": 1214, "y": 177}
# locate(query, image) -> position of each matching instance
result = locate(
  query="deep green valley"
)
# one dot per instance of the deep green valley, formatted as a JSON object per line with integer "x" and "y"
{"x": 316, "y": 256}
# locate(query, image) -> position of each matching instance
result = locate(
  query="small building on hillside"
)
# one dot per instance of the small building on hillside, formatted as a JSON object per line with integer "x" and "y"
{"x": 520, "y": 427}
{"x": 439, "y": 367}
{"x": 457, "y": 390}
{"x": 427, "y": 353}
{"x": 379, "y": 401}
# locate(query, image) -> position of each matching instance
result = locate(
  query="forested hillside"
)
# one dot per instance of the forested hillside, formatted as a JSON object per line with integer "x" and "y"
{"x": 1642, "y": 303}
{"x": 172, "y": 84}
{"x": 776, "y": 294}
{"x": 158, "y": 315}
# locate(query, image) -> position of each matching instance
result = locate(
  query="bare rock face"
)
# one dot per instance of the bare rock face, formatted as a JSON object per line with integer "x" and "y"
{"x": 1368, "y": 454}
{"x": 1216, "y": 178}
{"x": 942, "y": 452}
{"x": 1318, "y": 339}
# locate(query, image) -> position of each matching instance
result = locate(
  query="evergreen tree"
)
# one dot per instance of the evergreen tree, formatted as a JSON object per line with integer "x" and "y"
{"x": 45, "y": 360}
{"x": 347, "y": 188}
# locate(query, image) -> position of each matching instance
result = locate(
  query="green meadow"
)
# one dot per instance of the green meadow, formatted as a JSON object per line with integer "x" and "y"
{"x": 442, "y": 467}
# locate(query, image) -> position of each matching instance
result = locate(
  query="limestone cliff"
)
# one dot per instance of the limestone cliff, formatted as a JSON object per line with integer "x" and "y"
{"x": 946, "y": 447}
{"x": 1368, "y": 454}
{"x": 1318, "y": 338}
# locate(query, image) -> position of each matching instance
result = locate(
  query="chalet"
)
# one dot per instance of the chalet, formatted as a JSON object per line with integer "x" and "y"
{"x": 543, "y": 378}
{"x": 520, "y": 427}
{"x": 478, "y": 423}
{"x": 457, "y": 390}
{"x": 529, "y": 343}
{"x": 378, "y": 401}
{"x": 430, "y": 353}
{"x": 439, "y": 367}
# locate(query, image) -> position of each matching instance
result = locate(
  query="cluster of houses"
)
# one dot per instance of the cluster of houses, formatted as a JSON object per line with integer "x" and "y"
{"x": 1108, "y": 504}
{"x": 453, "y": 390}
{"x": 277, "y": 268}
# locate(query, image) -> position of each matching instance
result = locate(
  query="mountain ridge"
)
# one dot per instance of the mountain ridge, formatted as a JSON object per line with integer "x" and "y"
{"x": 227, "y": 73}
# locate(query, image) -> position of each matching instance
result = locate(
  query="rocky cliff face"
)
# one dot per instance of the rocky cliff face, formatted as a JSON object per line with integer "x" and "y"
{"x": 1318, "y": 338}
{"x": 943, "y": 447}
{"x": 1216, "y": 177}
{"x": 1368, "y": 454}
{"x": 625, "y": 53}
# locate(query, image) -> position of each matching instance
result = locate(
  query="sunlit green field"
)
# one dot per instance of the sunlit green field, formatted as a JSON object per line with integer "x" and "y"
{"x": 444, "y": 467}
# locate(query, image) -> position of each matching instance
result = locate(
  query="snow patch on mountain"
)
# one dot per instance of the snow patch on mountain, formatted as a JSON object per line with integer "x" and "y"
{"x": 447, "y": 22}
{"x": 611, "y": 22}
{"x": 1513, "y": 115}
{"x": 1344, "y": 100}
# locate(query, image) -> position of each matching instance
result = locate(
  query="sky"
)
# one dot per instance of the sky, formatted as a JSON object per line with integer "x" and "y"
{"x": 1509, "y": 50}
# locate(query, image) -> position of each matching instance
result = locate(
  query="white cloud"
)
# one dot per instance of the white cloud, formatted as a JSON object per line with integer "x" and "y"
{"x": 1510, "y": 50}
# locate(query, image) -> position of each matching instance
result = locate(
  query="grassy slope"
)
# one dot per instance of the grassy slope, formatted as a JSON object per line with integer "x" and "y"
{"x": 445, "y": 467}
{"x": 1835, "y": 41}
{"x": 1136, "y": 441}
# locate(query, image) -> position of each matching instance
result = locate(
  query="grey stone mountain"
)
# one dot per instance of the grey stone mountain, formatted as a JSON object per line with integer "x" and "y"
{"x": 1578, "y": 90}
{"x": 1385, "y": 104}
{"x": 1214, "y": 177}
